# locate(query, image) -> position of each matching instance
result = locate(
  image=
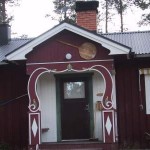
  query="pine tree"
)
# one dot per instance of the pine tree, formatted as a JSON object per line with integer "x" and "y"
{"x": 121, "y": 6}
{"x": 144, "y": 5}
{"x": 65, "y": 9}
{"x": 3, "y": 13}
{"x": 108, "y": 6}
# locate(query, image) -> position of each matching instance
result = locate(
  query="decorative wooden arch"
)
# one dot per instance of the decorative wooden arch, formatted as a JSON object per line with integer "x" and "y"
{"x": 34, "y": 103}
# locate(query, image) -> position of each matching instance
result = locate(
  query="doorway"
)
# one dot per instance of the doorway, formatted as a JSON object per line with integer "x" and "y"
{"x": 74, "y": 106}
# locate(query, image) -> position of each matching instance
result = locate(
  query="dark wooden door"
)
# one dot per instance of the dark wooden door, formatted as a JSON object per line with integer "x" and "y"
{"x": 75, "y": 116}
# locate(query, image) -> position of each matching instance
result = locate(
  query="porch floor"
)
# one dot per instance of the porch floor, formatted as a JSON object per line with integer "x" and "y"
{"x": 74, "y": 145}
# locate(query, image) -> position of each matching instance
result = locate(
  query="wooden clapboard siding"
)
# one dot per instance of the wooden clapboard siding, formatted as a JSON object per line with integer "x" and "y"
{"x": 46, "y": 90}
{"x": 98, "y": 87}
{"x": 53, "y": 50}
{"x": 14, "y": 115}
{"x": 132, "y": 121}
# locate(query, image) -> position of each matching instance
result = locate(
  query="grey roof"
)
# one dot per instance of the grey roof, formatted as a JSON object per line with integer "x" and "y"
{"x": 138, "y": 41}
{"x": 12, "y": 46}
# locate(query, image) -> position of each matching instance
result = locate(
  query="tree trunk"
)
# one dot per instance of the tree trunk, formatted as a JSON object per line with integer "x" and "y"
{"x": 121, "y": 16}
{"x": 3, "y": 12}
{"x": 65, "y": 10}
{"x": 106, "y": 23}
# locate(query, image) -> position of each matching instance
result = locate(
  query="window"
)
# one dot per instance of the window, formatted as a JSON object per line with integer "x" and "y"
{"x": 146, "y": 73}
{"x": 74, "y": 90}
{"x": 147, "y": 93}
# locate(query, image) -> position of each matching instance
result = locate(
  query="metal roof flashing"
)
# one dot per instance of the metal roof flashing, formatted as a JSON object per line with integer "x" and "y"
{"x": 142, "y": 55}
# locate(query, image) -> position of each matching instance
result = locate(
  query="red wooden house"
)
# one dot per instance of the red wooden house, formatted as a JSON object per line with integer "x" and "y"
{"x": 72, "y": 88}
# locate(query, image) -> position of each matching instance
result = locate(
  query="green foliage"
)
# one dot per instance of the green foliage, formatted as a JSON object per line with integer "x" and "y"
{"x": 4, "y": 17}
{"x": 65, "y": 9}
{"x": 120, "y": 6}
{"x": 145, "y": 20}
{"x": 143, "y": 4}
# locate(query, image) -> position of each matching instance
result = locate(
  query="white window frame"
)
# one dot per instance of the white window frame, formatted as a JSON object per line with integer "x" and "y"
{"x": 146, "y": 72}
{"x": 147, "y": 92}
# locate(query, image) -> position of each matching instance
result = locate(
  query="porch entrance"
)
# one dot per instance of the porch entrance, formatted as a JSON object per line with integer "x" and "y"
{"x": 76, "y": 114}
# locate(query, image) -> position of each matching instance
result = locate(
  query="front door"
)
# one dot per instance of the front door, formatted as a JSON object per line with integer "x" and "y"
{"x": 75, "y": 111}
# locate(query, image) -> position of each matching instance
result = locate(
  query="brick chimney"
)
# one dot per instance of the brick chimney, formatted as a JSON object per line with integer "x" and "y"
{"x": 87, "y": 14}
{"x": 5, "y": 33}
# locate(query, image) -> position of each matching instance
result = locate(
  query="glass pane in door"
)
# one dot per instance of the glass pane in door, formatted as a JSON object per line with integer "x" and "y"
{"x": 74, "y": 90}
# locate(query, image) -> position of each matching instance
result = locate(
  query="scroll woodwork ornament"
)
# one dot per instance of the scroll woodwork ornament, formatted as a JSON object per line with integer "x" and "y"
{"x": 107, "y": 96}
{"x": 34, "y": 102}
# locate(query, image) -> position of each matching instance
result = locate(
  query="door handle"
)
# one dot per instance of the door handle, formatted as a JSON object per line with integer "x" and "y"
{"x": 86, "y": 107}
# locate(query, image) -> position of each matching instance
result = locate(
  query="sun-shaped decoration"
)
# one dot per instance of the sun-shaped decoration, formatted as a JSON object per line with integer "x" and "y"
{"x": 87, "y": 50}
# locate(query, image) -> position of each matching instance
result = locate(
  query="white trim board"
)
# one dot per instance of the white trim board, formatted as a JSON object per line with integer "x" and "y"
{"x": 147, "y": 93}
{"x": 115, "y": 48}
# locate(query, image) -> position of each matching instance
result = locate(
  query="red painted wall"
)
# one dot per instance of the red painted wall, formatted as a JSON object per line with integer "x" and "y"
{"x": 13, "y": 116}
{"x": 54, "y": 51}
{"x": 132, "y": 121}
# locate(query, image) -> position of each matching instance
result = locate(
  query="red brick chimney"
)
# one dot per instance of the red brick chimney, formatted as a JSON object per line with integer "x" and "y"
{"x": 87, "y": 14}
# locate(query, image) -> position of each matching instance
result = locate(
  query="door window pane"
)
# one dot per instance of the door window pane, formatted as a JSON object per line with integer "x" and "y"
{"x": 74, "y": 90}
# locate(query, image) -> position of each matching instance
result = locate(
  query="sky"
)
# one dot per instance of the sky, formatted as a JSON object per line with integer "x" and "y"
{"x": 29, "y": 17}
{"x": 30, "y": 20}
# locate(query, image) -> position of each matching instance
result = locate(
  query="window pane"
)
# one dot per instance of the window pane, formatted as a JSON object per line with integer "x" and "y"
{"x": 74, "y": 90}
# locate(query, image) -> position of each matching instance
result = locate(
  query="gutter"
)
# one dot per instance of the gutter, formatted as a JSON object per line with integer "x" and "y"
{"x": 142, "y": 55}
{"x": 3, "y": 63}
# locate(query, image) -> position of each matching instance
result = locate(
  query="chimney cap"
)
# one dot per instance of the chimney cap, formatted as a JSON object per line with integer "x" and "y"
{"x": 4, "y": 24}
{"x": 86, "y": 5}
